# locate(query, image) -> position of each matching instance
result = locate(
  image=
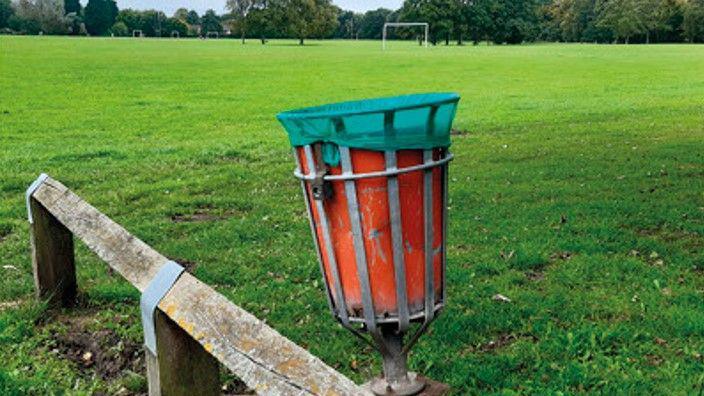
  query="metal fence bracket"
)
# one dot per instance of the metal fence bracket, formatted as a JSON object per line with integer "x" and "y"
{"x": 156, "y": 290}
{"x": 32, "y": 188}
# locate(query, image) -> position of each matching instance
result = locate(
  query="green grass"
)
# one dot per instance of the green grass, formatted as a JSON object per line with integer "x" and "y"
{"x": 577, "y": 191}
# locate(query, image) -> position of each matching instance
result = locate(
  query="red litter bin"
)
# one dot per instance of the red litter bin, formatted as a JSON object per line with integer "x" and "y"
{"x": 374, "y": 178}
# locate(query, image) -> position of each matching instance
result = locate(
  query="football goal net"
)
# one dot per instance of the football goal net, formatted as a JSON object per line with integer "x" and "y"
{"x": 175, "y": 34}
{"x": 424, "y": 25}
{"x": 212, "y": 35}
{"x": 137, "y": 33}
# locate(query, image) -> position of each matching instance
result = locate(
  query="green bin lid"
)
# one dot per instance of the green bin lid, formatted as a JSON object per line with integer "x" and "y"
{"x": 420, "y": 121}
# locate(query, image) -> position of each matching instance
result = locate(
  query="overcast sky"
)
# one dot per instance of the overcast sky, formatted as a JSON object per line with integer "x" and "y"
{"x": 169, "y": 6}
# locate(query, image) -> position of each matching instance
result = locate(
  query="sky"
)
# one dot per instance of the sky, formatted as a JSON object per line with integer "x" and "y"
{"x": 169, "y": 6}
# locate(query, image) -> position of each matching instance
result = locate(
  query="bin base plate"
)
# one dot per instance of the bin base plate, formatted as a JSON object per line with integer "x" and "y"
{"x": 432, "y": 388}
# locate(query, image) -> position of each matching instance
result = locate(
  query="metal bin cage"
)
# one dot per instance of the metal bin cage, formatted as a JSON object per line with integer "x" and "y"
{"x": 379, "y": 222}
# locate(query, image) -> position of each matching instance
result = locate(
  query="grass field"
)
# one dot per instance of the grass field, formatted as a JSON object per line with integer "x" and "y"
{"x": 577, "y": 192}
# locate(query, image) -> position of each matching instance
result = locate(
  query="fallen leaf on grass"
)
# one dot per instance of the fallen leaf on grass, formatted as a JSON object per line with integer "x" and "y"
{"x": 654, "y": 360}
{"x": 10, "y": 267}
{"x": 561, "y": 256}
{"x": 87, "y": 357}
{"x": 507, "y": 256}
{"x": 501, "y": 298}
{"x": 9, "y": 304}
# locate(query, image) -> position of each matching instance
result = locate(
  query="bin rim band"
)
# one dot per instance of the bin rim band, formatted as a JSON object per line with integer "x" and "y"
{"x": 366, "y": 106}
{"x": 390, "y": 172}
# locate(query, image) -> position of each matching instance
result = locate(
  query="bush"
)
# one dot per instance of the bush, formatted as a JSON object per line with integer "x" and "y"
{"x": 23, "y": 25}
{"x": 120, "y": 29}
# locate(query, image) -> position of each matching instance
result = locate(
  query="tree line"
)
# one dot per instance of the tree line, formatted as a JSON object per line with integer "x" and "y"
{"x": 460, "y": 21}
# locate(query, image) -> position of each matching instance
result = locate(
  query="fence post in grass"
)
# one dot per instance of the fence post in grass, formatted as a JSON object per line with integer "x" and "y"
{"x": 52, "y": 255}
{"x": 182, "y": 366}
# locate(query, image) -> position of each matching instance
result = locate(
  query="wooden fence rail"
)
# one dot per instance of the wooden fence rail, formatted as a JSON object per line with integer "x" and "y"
{"x": 195, "y": 325}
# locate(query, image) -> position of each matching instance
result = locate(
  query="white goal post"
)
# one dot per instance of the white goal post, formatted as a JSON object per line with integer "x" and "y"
{"x": 137, "y": 33}
{"x": 405, "y": 24}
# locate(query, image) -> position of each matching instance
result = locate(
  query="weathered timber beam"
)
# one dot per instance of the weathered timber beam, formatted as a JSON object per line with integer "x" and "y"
{"x": 133, "y": 259}
{"x": 265, "y": 360}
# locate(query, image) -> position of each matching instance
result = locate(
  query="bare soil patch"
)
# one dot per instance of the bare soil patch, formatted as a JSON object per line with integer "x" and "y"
{"x": 102, "y": 352}
{"x": 4, "y": 233}
{"x": 535, "y": 276}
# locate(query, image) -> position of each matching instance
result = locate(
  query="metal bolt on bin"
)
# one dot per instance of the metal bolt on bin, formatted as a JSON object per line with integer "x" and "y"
{"x": 374, "y": 179}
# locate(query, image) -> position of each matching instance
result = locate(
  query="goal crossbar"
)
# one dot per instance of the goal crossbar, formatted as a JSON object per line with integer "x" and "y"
{"x": 405, "y": 24}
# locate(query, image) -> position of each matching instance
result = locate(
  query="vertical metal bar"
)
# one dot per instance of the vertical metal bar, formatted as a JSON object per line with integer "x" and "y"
{"x": 446, "y": 201}
{"x": 428, "y": 228}
{"x": 397, "y": 242}
{"x": 311, "y": 222}
{"x": 358, "y": 239}
{"x": 383, "y": 40}
{"x": 332, "y": 262}
{"x": 426, "y": 35}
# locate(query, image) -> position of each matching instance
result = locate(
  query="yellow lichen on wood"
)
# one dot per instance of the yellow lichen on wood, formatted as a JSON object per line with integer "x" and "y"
{"x": 290, "y": 365}
{"x": 170, "y": 310}
{"x": 248, "y": 344}
{"x": 313, "y": 387}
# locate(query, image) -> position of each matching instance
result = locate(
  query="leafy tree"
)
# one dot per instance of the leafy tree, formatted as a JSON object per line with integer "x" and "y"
{"x": 626, "y": 18}
{"x": 192, "y": 18}
{"x": 131, "y": 18}
{"x": 515, "y": 21}
{"x": 571, "y": 17}
{"x": 181, "y": 14}
{"x": 693, "y": 21}
{"x": 34, "y": 16}
{"x": 6, "y": 11}
{"x": 241, "y": 10}
{"x": 372, "y": 23}
{"x": 24, "y": 25}
{"x": 348, "y": 23}
{"x": 305, "y": 18}
{"x": 74, "y": 22}
{"x": 100, "y": 16}
{"x": 210, "y": 22}
{"x": 72, "y": 6}
{"x": 444, "y": 16}
{"x": 670, "y": 13}
{"x": 479, "y": 20}
{"x": 171, "y": 25}
{"x": 155, "y": 23}
{"x": 423, "y": 11}
{"x": 262, "y": 23}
